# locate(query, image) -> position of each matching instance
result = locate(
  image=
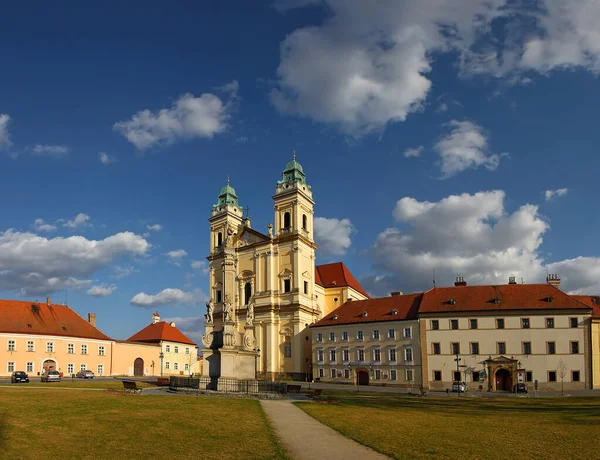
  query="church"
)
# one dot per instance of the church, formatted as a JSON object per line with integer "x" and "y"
{"x": 265, "y": 289}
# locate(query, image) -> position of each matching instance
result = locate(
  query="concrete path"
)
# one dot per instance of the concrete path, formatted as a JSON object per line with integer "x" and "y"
{"x": 307, "y": 439}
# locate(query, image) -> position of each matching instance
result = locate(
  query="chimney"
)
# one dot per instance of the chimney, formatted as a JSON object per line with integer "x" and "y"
{"x": 395, "y": 293}
{"x": 460, "y": 281}
{"x": 92, "y": 319}
{"x": 48, "y": 301}
{"x": 155, "y": 317}
{"x": 553, "y": 280}
{"x": 511, "y": 280}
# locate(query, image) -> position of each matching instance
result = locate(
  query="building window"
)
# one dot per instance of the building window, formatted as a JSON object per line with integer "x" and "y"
{"x": 167, "y": 348}
{"x": 346, "y": 373}
{"x": 219, "y": 296}
{"x": 321, "y": 373}
{"x": 435, "y": 324}
{"x": 392, "y": 355}
{"x": 345, "y": 336}
{"x": 473, "y": 323}
{"x": 332, "y": 336}
{"x": 453, "y": 324}
{"x": 346, "y": 354}
{"x": 306, "y": 287}
{"x": 377, "y": 374}
{"x": 186, "y": 367}
{"x": 408, "y": 354}
{"x": 359, "y": 335}
{"x": 437, "y": 376}
{"x": 101, "y": 350}
{"x": 551, "y": 376}
{"x": 360, "y": 355}
{"x": 187, "y": 351}
{"x": 574, "y": 348}
{"x": 573, "y": 322}
{"x": 70, "y": 368}
{"x": 393, "y": 374}
{"x": 29, "y": 367}
{"x": 332, "y": 356}
{"x": 176, "y": 349}
{"x": 501, "y": 347}
{"x": 550, "y": 323}
{"x": 11, "y": 366}
{"x": 319, "y": 337}
{"x": 529, "y": 376}
{"x": 455, "y": 346}
{"x": 84, "y": 349}
{"x": 409, "y": 375}
{"x": 475, "y": 376}
{"x": 575, "y": 376}
{"x": 304, "y": 221}
{"x": 287, "y": 285}
{"x": 407, "y": 333}
{"x": 320, "y": 356}
{"x": 377, "y": 355}
{"x": 551, "y": 347}
{"x": 500, "y": 323}
{"x": 167, "y": 365}
{"x": 70, "y": 348}
{"x": 49, "y": 347}
{"x": 526, "y": 348}
{"x": 30, "y": 345}
{"x": 100, "y": 369}
{"x": 219, "y": 239}
{"x": 376, "y": 334}
{"x": 474, "y": 348}
{"x": 176, "y": 366}
{"x": 436, "y": 348}
{"x": 247, "y": 293}
{"x": 457, "y": 376}
{"x": 333, "y": 373}
{"x": 83, "y": 367}
{"x": 11, "y": 345}
{"x": 525, "y": 323}
{"x": 286, "y": 220}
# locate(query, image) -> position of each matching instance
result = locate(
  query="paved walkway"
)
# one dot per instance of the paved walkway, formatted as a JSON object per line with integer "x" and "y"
{"x": 307, "y": 439}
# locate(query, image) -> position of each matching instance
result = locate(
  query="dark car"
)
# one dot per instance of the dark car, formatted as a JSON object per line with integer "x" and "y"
{"x": 19, "y": 377}
{"x": 521, "y": 388}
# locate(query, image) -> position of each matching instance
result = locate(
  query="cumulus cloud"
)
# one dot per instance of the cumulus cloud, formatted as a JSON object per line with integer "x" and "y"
{"x": 80, "y": 220}
{"x": 168, "y": 296}
{"x": 35, "y": 265}
{"x": 189, "y": 117}
{"x": 106, "y": 159}
{"x": 550, "y": 194}
{"x": 54, "y": 151}
{"x": 333, "y": 235}
{"x": 5, "y": 142}
{"x": 413, "y": 152}
{"x": 469, "y": 235}
{"x": 123, "y": 271}
{"x": 465, "y": 147}
{"x": 101, "y": 290}
{"x": 42, "y": 226}
{"x": 154, "y": 227}
{"x": 200, "y": 265}
{"x": 176, "y": 255}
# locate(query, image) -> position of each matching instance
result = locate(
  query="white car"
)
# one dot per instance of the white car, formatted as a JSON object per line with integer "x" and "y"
{"x": 459, "y": 387}
{"x": 85, "y": 374}
{"x": 52, "y": 376}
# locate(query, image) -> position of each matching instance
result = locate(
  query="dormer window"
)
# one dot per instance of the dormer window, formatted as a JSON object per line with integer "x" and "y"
{"x": 549, "y": 299}
{"x": 394, "y": 312}
{"x": 496, "y": 300}
{"x": 452, "y": 301}
{"x": 335, "y": 317}
{"x": 364, "y": 314}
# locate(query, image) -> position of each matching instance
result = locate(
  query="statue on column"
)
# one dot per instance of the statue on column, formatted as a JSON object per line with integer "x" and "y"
{"x": 229, "y": 238}
{"x": 227, "y": 309}
{"x": 270, "y": 229}
{"x": 209, "y": 312}
{"x": 250, "y": 313}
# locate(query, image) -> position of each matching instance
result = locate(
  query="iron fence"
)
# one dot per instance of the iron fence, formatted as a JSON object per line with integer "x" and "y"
{"x": 228, "y": 385}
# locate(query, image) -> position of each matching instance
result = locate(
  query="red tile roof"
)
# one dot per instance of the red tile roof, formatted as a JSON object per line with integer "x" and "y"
{"x": 335, "y": 275}
{"x": 381, "y": 309}
{"x": 509, "y": 297}
{"x": 160, "y": 331}
{"x": 592, "y": 301}
{"x": 22, "y": 317}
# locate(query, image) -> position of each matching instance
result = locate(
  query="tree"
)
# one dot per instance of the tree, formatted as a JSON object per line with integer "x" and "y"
{"x": 562, "y": 372}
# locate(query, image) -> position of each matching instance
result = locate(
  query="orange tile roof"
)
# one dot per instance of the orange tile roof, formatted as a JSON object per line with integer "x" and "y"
{"x": 510, "y": 297}
{"x": 407, "y": 307}
{"x": 23, "y": 317}
{"x": 160, "y": 331}
{"x": 335, "y": 275}
{"x": 592, "y": 301}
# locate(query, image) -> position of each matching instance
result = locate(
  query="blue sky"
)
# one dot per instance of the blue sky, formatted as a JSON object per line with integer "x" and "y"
{"x": 459, "y": 137}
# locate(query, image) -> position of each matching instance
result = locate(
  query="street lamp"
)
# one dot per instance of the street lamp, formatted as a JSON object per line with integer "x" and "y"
{"x": 161, "y": 355}
{"x": 457, "y": 359}
{"x": 257, "y": 350}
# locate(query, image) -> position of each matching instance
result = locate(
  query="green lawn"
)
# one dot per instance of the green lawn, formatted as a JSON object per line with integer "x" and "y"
{"x": 410, "y": 427}
{"x": 77, "y": 383}
{"x": 37, "y": 423}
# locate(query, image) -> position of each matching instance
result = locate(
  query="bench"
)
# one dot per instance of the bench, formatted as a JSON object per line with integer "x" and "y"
{"x": 294, "y": 388}
{"x": 131, "y": 387}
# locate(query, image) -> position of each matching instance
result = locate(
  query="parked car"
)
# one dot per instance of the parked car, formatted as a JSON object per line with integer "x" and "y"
{"x": 459, "y": 387}
{"x": 51, "y": 376}
{"x": 85, "y": 374}
{"x": 19, "y": 377}
{"x": 521, "y": 388}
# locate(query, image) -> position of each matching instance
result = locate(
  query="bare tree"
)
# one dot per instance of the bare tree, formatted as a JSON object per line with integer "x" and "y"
{"x": 562, "y": 372}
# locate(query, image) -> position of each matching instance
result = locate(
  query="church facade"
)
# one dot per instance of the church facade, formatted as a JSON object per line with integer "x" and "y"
{"x": 265, "y": 289}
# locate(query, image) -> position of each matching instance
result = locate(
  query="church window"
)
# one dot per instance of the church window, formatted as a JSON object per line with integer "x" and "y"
{"x": 219, "y": 239}
{"x": 287, "y": 220}
{"x": 247, "y": 293}
{"x": 287, "y": 348}
{"x": 306, "y": 287}
{"x": 304, "y": 222}
{"x": 287, "y": 285}
{"x": 218, "y": 296}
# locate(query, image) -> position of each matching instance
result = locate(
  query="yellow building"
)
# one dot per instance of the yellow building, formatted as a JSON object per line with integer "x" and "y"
{"x": 268, "y": 284}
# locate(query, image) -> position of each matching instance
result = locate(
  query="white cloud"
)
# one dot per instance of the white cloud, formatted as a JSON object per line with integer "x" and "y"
{"x": 34, "y": 265}
{"x": 79, "y": 220}
{"x": 123, "y": 271}
{"x": 189, "y": 117}
{"x": 54, "y": 151}
{"x": 200, "y": 265}
{"x": 5, "y": 142}
{"x": 471, "y": 236}
{"x": 333, "y": 235}
{"x": 106, "y": 159}
{"x": 176, "y": 255}
{"x": 101, "y": 290}
{"x": 550, "y": 194}
{"x": 168, "y": 296}
{"x": 413, "y": 152}
{"x": 41, "y": 226}
{"x": 465, "y": 147}
{"x": 154, "y": 227}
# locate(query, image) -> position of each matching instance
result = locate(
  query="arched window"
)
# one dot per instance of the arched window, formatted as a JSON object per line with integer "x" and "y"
{"x": 304, "y": 221}
{"x": 286, "y": 220}
{"x": 219, "y": 239}
{"x": 247, "y": 293}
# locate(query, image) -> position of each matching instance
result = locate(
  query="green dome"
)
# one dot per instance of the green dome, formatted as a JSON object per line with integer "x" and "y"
{"x": 293, "y": 165}
{"x": 228, "y": 190}
{"x": 293, "y": 172}
{"x": 227, "y": 197}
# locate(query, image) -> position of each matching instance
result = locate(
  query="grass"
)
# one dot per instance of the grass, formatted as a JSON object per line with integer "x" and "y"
{"x": 68, "y": 383}
{"x": 37, "y": 423}
{"x": 410, "y": 427}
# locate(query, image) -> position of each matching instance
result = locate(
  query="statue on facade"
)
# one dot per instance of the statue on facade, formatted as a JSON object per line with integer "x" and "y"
{"x": 209, "y": 312}
{"x": 229, "y": 239}
{"x": 270, "y": 229}
{"x": 250, "y": 313}
{"x": 227, "y": 309}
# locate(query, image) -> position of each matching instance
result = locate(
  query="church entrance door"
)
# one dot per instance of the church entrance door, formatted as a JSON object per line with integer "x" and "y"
{"x": 363, "y": 377}
{"x": 138, "y": 367}
{"x": 503, "y": 380}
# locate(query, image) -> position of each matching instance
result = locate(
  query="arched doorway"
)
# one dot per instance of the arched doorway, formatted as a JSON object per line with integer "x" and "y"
{"x": 503, "y": 380}
{"x": 138, "y": 367}
{"x": 362, "y": 377}
{"x": 49, "y": 365}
